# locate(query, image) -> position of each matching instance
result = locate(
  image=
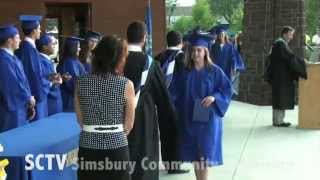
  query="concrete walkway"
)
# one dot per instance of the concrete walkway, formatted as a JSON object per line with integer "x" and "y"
{"x": 254, "y": 150}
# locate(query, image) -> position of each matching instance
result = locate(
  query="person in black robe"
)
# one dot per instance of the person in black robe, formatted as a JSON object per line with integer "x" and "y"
{"x": 172, "y": 62}
{"x": 174, "y": 42}
{"x": 153, "y": 107}
{"x": 285, "y": 70}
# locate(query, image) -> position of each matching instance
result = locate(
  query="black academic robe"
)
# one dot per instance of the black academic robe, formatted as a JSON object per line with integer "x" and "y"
{"x": 179, "y": 64}
{"x": 285, "y": 69}
{"x": 169, "y": 139}
{"x": 154, "y": 108}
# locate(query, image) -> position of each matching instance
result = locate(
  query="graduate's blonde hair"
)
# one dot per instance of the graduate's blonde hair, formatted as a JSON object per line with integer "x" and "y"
{"x": 190, "y": 63}
{"x": 226, "y": 38}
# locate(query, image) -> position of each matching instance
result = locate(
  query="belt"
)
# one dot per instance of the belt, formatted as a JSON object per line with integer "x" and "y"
{"x": 103, "y": 128}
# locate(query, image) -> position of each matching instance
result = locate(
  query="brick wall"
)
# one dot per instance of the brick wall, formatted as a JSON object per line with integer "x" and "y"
{"x": 108, "y": 17}
{"x": 262, "y": 25}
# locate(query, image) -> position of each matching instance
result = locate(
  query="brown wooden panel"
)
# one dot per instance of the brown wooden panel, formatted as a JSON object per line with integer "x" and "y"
{"x": 309, "y": 99}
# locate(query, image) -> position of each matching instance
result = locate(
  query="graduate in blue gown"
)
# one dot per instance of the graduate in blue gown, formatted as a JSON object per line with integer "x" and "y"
{"x": 225, "y": 55}
{"x": 91, "y": 40}
{"x": 203, "y": 94}
{"x": 29, "y": 56}
{"x": 16, "y": 102}
{"x": 240, "y": 63}
{"x": 45, "y": 45}
{"x": 70, "y": 65}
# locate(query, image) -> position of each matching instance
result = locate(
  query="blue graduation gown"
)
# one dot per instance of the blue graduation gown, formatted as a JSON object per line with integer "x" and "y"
{"x": 14, "y": 96}
{"x": 74, "y": 67}
{"x": 230, "y": 61}
{"x": 54, "y": 99}
{"x": 202, "y": 139}
{"x": 240, "y": 66}
{"x": 227, "y": 58}
{"x": 30, "y": 59}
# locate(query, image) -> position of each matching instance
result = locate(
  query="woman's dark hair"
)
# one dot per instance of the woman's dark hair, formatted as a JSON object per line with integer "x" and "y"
{"x": 70, "y": 49}
{"x": 108, "y": 54}
{"x": 226, "y": 38}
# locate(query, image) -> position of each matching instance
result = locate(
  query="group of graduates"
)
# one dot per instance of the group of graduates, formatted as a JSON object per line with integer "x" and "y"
{"x": 187, "y": 91}
{"x": 31, "y": 86}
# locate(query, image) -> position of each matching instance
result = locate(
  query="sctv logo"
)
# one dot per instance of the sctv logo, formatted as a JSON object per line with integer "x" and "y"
{"x": 46, "y": 162}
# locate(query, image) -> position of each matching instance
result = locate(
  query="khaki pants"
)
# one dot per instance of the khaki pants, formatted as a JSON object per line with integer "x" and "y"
{"x": 278, "y": 116}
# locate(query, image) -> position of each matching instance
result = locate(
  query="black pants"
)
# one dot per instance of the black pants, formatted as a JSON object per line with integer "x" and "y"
{"x": 97, "y": 164}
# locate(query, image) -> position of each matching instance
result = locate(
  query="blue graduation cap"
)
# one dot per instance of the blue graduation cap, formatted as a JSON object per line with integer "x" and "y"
{"x": 8, "y": 31}
{"x": 221, "y": 28}
{"x": 71, "y": 41}
{"x": 200, "y": 39}
{"x": 30, "y": 22}
{"x": 93, "y": 35}
{"x": 45, "y": 39}
{"x": 72, "y": 38}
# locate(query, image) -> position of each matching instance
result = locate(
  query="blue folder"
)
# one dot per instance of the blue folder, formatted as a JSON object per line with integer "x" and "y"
{"x": 200, "y": 113}
{"x": 57, "y": 134}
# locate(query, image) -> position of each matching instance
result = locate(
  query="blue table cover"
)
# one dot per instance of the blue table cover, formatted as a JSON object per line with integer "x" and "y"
{"x": 57, "y": 134}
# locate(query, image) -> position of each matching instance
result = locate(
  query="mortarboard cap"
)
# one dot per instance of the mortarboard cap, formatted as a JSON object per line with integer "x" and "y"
{"x": 71, "y": 41}
{"x": 8, "y": 31}
{"x": 45, "y": 39}
{"x": 221, "y": 28}
{"x": 200, "y": 39}
{"x": 93, "y": 35}
{"x": 30, "y": 22}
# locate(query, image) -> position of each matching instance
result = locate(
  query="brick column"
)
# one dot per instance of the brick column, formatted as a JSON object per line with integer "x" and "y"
{"x": 263, "y": 22}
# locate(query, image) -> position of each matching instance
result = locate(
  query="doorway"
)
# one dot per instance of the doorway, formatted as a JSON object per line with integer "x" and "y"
{"x": 65, "y": 19}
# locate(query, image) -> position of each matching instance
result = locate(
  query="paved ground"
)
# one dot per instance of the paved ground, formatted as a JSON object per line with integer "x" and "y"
{"x": 254, "y": 150}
